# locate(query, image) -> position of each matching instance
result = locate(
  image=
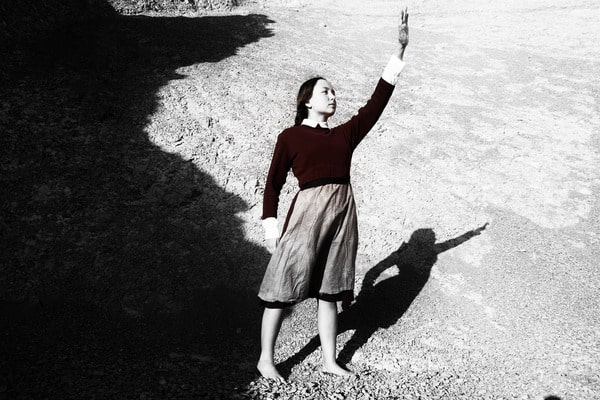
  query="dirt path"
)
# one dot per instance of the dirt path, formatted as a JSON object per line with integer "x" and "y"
{"x": 493, "y": 123}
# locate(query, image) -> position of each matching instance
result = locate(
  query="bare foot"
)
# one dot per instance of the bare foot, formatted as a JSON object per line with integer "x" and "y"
{"x": 267, "y": 369}
{"x": 336, "y": 369}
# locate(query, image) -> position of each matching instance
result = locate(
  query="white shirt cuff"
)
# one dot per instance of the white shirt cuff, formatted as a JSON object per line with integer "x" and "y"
{"x": 392, "y": 70}
{"x": 271, "y": 228}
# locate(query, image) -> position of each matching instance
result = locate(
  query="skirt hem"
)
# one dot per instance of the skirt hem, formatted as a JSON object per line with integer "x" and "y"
{"x": 345, "y": 296}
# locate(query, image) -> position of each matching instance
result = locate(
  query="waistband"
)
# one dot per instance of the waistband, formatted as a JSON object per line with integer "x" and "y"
{"x": 325, "y": 181}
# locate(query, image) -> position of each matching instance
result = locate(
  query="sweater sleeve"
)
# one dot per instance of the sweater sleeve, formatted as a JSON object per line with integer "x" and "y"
{"x": 360, "y": 124}
{"x": 280, "y": 165}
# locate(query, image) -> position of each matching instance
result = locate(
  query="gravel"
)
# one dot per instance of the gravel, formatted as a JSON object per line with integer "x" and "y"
{"x": 134, "y": 150}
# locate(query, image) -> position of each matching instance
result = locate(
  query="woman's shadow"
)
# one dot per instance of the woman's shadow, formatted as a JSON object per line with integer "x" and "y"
{"x": 381, "y": 304}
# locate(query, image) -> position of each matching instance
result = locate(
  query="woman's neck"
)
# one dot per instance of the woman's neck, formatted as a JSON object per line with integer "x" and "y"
{"x": 317, "y": 117}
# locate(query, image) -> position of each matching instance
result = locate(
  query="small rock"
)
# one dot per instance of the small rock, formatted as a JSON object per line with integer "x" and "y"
{"x": 201, "y": 358}
{"x": 43, "y": 193}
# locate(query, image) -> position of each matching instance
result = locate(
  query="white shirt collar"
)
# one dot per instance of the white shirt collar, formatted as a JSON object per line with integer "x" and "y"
{"x": 314, "y": 124}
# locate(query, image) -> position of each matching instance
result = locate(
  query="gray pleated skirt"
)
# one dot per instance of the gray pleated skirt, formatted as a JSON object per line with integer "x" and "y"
{"x": 317, "y": 252}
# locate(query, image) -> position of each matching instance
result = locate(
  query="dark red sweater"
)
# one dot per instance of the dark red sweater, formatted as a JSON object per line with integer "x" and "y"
{"x": 319, "y": 154}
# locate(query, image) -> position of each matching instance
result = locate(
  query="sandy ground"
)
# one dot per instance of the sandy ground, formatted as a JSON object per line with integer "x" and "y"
{"x": 494, "y": 121}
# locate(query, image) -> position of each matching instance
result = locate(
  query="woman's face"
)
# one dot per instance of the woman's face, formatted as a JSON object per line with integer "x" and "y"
{"x": 322, "y": 103}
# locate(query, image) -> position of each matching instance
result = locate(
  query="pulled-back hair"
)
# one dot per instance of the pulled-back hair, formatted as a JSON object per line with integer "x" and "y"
{"x": 304, "y": 95}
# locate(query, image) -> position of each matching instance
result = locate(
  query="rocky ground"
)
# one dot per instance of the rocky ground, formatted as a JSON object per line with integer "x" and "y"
{"x": 134, "y": 151}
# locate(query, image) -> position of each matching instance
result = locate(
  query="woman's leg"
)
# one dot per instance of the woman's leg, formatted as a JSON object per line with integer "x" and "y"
{"x": 327, "y": 324}
{"x": 271, "y": 323}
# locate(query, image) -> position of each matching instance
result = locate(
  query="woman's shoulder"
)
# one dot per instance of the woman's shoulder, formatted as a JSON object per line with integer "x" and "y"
{"x": 291, "y": 131}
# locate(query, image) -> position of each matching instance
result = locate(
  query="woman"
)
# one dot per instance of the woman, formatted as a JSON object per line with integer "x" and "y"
{"x": 316, "y": 253}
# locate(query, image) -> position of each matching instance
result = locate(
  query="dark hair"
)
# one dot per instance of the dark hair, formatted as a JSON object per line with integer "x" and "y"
{"x": 304, "y": 95}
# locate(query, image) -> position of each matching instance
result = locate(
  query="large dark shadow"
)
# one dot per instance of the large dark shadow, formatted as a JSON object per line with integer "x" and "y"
{"x": 382, "y": 304}
{"x": 125, "y": 272}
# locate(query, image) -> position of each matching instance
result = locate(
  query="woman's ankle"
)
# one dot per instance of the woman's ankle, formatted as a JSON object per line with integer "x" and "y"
{"x": 332, "y": 367}
{"x": 267, "y": 369}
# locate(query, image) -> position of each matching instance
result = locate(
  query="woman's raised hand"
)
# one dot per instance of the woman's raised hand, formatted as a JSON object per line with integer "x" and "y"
{"x": 403, "y": 29}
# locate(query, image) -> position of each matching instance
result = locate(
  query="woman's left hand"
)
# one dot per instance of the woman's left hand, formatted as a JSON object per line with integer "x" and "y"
{"x": 402, "y": 33}
{"x": 403, "y": 29}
